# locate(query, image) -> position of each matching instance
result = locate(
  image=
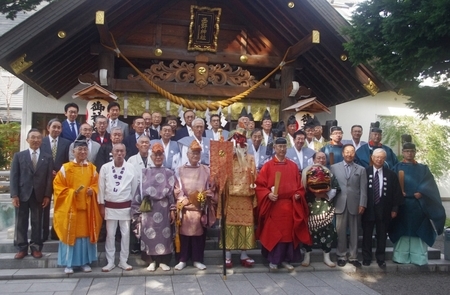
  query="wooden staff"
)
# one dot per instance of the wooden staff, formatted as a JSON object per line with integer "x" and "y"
{"x": 331, "y": 158}
{"x": 222, "y": 224}
{"x": 177, "y": 228}
{"x": 401, "y": 178}
{"x": 277, "y": 182}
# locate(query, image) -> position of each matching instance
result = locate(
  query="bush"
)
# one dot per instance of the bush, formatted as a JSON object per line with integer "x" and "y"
{"x": 9, "y": 143}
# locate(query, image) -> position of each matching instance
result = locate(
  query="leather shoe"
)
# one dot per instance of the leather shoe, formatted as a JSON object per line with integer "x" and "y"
{"x": 341, "y": 262}
{"x": 355, "y": 263}
{"x": 20, "y": 255}
{"x": 366, "y": 262}
{"x": 36, "y": 254}
{"x": 381, "y": 264}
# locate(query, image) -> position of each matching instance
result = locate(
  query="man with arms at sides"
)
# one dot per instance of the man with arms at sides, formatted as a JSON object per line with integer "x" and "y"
{"x": 198, "y": 127}
{"x": 154, "y": 225}
{"x": 131, "y": 140}
{"x": 384, "y": 195}
{"x": 333, "y": 149}
{"x": 100, "y": 135}
{"x": 282, "y": 214}
{"x": 70, "y": 126}
{"x": 364, "y": 153}
{"x": 292, "y": 126}
{"x": 356, "y": 131}
{"x": 117, "y": 186}
{"x": 256, "y": 149}
{"x": 421, "y": 217}
{"x": 213, "y": 133}
{"x": 31, "y": 190}
{"x": 142, "y": 159}
{"x": 172, "y": 155}
{"x": 186, "y": 130}
{"x": 301, "y": 155}
{"x": 104, "y": 155}
{"x": 58, "y": 147}
{"x": 113, "y": 109}
{"x": 196, "y": 200}
{"x": 77, "y": 219}
{"x": 94, "y": 147}
{"x": 349, "y": 204}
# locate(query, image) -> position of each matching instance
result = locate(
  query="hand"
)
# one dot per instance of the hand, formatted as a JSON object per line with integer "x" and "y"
{"x": 296, "y": 197}
{"x": 45, "y": 202}
{"x": 361, "y": 210}
{"x": 101, "y": 207}
{"x": 393, "y": 215}
{"x": 16, "y": 202}
{"x": 172, "y": 217}
{"x": 272, "y": 197}
{"x": 89, "y": 192}
{"x": 417, "y": 195}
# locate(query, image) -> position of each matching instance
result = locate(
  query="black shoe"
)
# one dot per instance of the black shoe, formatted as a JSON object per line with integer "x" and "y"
{"x": 366, "y": 262}
{"x": 381, "y": 264}
{"x": 341, "y": 262}
{"x": 355, "y": 263}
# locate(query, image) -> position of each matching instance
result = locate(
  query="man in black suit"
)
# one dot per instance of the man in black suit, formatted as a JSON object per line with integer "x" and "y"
{"x": 384, "y": 195}
{"x": 70, "y": 126}
{"x": 186, "y": 130}
{"x": 31, "y": 190}
{"x": 104, "y": 154}
{"x": 58, "y": 147}
{"x": 131, "y": 140}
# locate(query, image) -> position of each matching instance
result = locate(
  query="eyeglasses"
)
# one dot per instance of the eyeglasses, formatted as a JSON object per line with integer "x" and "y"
{"x": 409, "y": 151}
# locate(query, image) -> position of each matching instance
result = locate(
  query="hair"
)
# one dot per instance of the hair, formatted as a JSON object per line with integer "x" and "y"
{"x": 142, "y": 115}
{"x": 156, "y": 112}
{"x": 164, "y": 125}
{"x": 214, "y": 115}
{"x": 354, "y": 126}
{"x": 346, "y": 145}
{"x": 116, "y": 128}
{"x": 142, "y": 137}
{"x": 116, "y": 145}
{"x": 69, "y": 105}
{"x": 255, "y": 130}
{"x": 198, "y": 120}
{"x": 137, "y": 118}
{"x": 100, "y": 117}
{"x": 298, "y": 132}
{"x": 85, "y": 123}
{"x": 192, "y": 111}
{"x": 315, "y": 154}
{"x": 52, "y": 121}
{"x": 171, "y": 117}
{"x": 33, "y": 130}
{"x": 379, "y": 151}
{"x": 113, "y": 104}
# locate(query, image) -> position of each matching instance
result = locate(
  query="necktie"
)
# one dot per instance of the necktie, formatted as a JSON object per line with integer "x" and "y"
{"x": 54, "y": 148}
{"x": 114, "y": 123}
{"x": 74, "y": 132}
{"x": 347, "y": 171}
{"x": 376, "y": 188}
{"x": 34, "y": 159}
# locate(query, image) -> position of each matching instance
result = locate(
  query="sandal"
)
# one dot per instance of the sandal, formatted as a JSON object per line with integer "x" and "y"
{"x": 247, "y": 262}
{"x": 228, "y": 263}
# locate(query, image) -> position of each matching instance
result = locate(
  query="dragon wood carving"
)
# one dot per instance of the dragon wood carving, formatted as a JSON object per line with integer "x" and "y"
{"x": 185, "y": 73}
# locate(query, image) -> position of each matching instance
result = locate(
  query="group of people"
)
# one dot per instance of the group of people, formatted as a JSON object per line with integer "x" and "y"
{"x": 154, "y": 184}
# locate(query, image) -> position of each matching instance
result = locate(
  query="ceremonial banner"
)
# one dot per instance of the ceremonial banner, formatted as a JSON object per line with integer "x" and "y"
{"x": 221, "y": 162}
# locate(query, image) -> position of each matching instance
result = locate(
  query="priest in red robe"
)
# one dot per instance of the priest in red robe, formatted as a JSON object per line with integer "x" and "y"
{"x": 282, "y": 210}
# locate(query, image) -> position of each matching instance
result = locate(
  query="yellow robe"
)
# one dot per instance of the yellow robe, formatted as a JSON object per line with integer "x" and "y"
{"x": 76, "y": 215}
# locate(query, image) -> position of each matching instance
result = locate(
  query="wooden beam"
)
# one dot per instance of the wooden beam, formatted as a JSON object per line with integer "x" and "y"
{"x": 300, "y": 47}
{"x": 191, "y": 89}
{"x": 103, "y": 29}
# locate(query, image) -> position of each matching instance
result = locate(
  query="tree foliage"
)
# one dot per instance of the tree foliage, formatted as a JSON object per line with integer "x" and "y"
{"x": 11, "y": 7}
{"x": 405, "y": 41}
{"x": 9, "y": 143}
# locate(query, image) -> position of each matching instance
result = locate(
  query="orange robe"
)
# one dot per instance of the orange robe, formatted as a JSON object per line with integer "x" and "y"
{"x": 76, "y": 215}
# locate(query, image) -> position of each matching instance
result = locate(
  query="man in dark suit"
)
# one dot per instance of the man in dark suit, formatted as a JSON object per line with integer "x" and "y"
{"x": 58, "y": 147}
{"x": 70, "y": 126}
{"x": 384, "y": 195}
{"x": 31, "y": 190}
{"x": 186, "y": 130}
{"x": 131, "y": 140}
{"x": 104, "y": 154}
{"x": 100, "y": 135}
{"x": 350, "y": 203}
{"x": 113, "y": 109}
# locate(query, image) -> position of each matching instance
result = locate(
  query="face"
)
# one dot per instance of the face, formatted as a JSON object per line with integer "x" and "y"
{"x": 320, "y": 158}
{"x": 251, "y": 125}
{"x": 299, "y": 141}
{"x": 198, "y": 129}
{"x": 139, "y": 125}
{"x": 34, "y": 140}
{"x": 71, "y": 114}
{"x": 356, "y": 132}
{"x": 173, "y": 124}
{"x": 156, "y": 119}
{"x": 291, "y": 129}
{"x": 244, "y": 121}
{"x": 147, "y": 119}
{"x": 80, "y": 153}
{"x": 166, "y": 132}
{"x": 266, "y": 125}
{"x": 257, "y": 138}
{"x": 409, "y": 155}
{"x": 193, "y": 157}
{"x": 348, "y": 153}
{"x": 116, "y": 136}
{"x": 215, "y": 122}
{"x": 375, "y": 137}
{"x": 158, "y": 159}
{"x": 114, "y": 113}
{"x": 55, "y": 129}
{"x": 309, "y": 133}
{"x": 378, "y": 160}
{"x": 189, "y": 117}
{"x": 280, "y": 150}
{"x": 101, "y": 125}
{"x": 119, "y": 152}
{"x": 143, "y": 145}
{"x": 336, "y": 136}
{"x": 86, "y": 130}
{"x": 318, "y": 131}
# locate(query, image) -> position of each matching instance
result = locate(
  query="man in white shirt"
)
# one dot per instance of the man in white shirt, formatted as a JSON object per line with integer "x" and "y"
{"x": 301, "y": 155}
{"x": 213, "y": 133}
{"x": 356, "y": 132}
{"x": 142, "y": 159}
{"x": 198, "y": 126}
{"x": 113, "y": 109}
{"x": 292, "y": 126}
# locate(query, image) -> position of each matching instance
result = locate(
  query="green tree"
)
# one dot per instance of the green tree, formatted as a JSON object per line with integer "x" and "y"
{"x": 9, "y": 143}
{"x": 11, "y": 7}
{"x": 405, "y": 41}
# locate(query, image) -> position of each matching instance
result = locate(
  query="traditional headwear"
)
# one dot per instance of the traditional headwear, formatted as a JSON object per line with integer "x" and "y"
{"x": 335, "y": 127}
{"x": 266, "y": 116}
{"x": 375, "y": 127}
{"x": 280, "y": 140}
{"x": 250, "y": 117}
{"x": 243, "y": 113}
{"x": 158, "y": 148}
{"x": 406, "y": 138}
{"x": 409, "y": 146}
{"x": 195, "y": 146}
{"x": 80, "y": 141}
{"x": 291, "y": 120}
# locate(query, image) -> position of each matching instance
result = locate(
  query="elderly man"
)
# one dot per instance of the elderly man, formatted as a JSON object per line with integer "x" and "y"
{"x": 131, "y": 140}
{"x": 301, "y": 155}
{"x": 422, "y": 217}
{"x": 77, "y": 219}
{"x": 100, "y": 135}
{"x": 154, "y": 225}
{"x": 350, "y": 203}
{"x": 186, "y": 130}
{"x": 142, "y": 159}
{"x": 364, "y": 153}
{"x": 156, "y": 121}
{"x": 117, "y": 186}
{"x": 384, "y": 195}
{"x": 172, "y": 156}
{"x": 94, "y": 147}
{"x": 356, "y": 132}
{"x": 31, "y": 190}
{"x": 104, "y": 155}
{"x": 196, "y": 201}
{"x": 282, "y": 210}
{"x": 198, "y": 127}
{"x": 333, "y": 149}
{"x": 213, "y": 133}
{"x": 256, "y": 149}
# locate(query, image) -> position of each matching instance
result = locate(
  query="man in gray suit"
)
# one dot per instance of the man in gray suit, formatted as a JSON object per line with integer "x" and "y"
{"x": 350, "y": 203}
{"x": 31, "y": 190}
{"x": 213, "y": 133}
{"x": 113, "y": 109}
{"x": 94, "y": 147}
{"x": 299, "y": 154}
